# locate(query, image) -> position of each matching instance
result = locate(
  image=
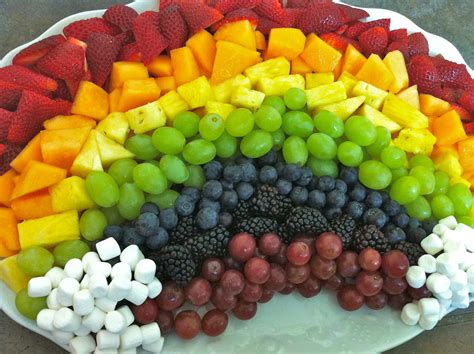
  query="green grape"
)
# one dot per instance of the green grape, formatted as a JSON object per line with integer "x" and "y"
{"x": 121, "y": 171}
{"x": 102, "y": 188}
{"x": 461, "y": 197}
{"x": 211, "y": 126}
{"x": 199, "y": 152}
{"x": 419, "y": 209}
{"x": 29, "y": 306}
{"x": 323, "y": 167}
{"x": 278, "y": 138}
{"x": 328, "y": 123}
{"x": 67, "y": 250}
{"x": 322, "y": 146}
{"x": 142, "y": 146}
{"x": 187, "y": 123}
{"x": 442, "y": 206}
{"x": 168, "y": 140}
{"x": 35, "y": 261}
{"x": 393, "y": 157}
{"x": 360, "y": 130}
{"x": 131, "y": 201}
{"x": 268, "y": 118}
{"x": 150, "y": 178}
{"x": 350, "y": 154}
{"x": 426, "y": 178}
{"x": 399, "y": 172}
{"x": 466, "y": 220}
{"x": 174, "y": 169}
{"x": 164, "y": 200}
{"x": 422, "y": 160}
{"x": 256, "y": 144}
{"x": 441, "y": 183}
{"x": 295, "y": 98}
{"x": 405, "y": 190}
{"x": 196, "y": 177}
{"x": 239, "y": 122}
{"x": 92, "y": 224}
{"x": 113, "y": 216}
{"x": 374, "y": 174}
{"x": 297, "y": 123}
{"x": 381, "y": 141}
{"x": 226, "y": 145}
{"x": 295, "y": 150}
{"x": 275, "y": 102}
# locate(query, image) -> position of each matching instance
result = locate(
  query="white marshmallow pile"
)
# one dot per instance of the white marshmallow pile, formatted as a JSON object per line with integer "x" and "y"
{"x": 82, "y": 299}
{"x": 447, "y": 269}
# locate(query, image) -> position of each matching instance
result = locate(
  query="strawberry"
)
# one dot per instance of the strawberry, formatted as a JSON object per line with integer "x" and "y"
{"x": 83, "y": 28}
{"x": 350, "y": 14}
{"x": 237, "y": 15}
{"x": 28, "y": 79}
{"x": 448, "y": 94}
{"x": 417, "y": 44}
{"x": 149, "y": 38}
{"x": 5, "y": 120}
{"x": 63, "y": 91}
{"x": 265, "y": 25}
{"x": 165, "y": 3}
{"x": 173, "y": 26}
{"x": 197, "y": 14}
{"x": 31, "y": 54}
{"x": 358, "y": 28}
{"x": 271, "y": 9}
{"x": 320, "y": 19}
{"x": 422, "y": 72}
{"x": 402, "y": 47}
{"x": 102, "y": 52}
{"x": 292, "y": 16}
{"x": 294, "y": 4}
{"x": 463, "y": 113}
{"x": 398, "y": 35}
{"x": 126, "y": 37}
{"x": 341, "y": 30}
{"x": 73, "y": 85}
{"x": 374, "y": 40}
{"x": 469, "y": 128}
{"x": 130, "y": 52}
{"x": 452, "y": 74}
{"x": 65, "y": 61}
{"x": 9, "y": 95}
{"x": 339, "y": 42}
{"x": 467, "y": 101}
{"x": 8, "y": 153}
{"x": 225, "y": 6}
{"x": 121, "y": 16}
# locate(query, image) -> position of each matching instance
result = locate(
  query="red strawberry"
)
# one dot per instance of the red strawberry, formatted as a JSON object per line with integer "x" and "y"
{"x": 448, "y": 94}
{"x": 374, "y": 40}
{"x": 173, "y": 26}
{"x": 63, "y": 91}
{"x": 339, "y": 42}
{"x": 294, "y": 4}
{"x": 9, "y": 152}
{"x": 467, "y": 101}
{"x": 320, "y": 19}
{"x": 225, "y": 6}
{"x": 125, "y": 37}
{"x": 422, "y": 72}
{"x": 28, "y": 79}
{"x": 463, "y": 113}
{"x": 237, "y": 15}
{"x": 65, "y": 61}
{"x": 417, "y": 44}
{"x": 165, "y": 3}
{"x": 265, "y": 25}
{"x": 271, "y": 9}
{"x": 398, "y": 35}
{"x": 77, "y": 42}
{"x": 9, "y": 95}
{"x": 5, "y": 120}
{"x": 130, "y": 52}
{"x": 197, "y": 14}
{"x": 350, "y": 14}
{"x": 469, "y": 128}
{"x": 73, "y": 85}
{"x": 83, "y": 28}
{"x": 452, "y": 74}
{"x": 292, "y": 16}
{"x": 402, "y": 47}
{"x": 358, "y": 28}
{"x": 149, "y": 38}
{"x": 36, "y": 51}
{"x": 121, "y": 16}
{"x": 341, "y": 30}
{"x": 102, "y": 51}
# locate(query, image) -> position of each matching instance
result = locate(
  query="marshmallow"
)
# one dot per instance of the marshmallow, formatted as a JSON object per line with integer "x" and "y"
{"x": 150, "y": 333}
{"x": 447, "y": 264}
{"x": 95, "y": 320}
{"x": 467, "y": 234}
{"x": 85, "y": 282}
{"x": 416, "y": 277}
{"x": 444, "y": 303}
{"x": 100, "y": 267}
{"x": 66, "y": 290}
{"x": 432, "y": 244}
{"x": 83, "y": 302}
{"x": 145, "y": 271}
{"x": 459, "y": 295}
{"x": 442, "y": 312}
{"x": 454, "y": 247}
{"x": 121, "y": 269}
{"x": 470, "y": 278}
{"x": 55, "y": 274}
{"x": 52, "y": 300}
{"x": 428, "y": 263}
{"x": 428, "y": 322}
{"x": 108, "y": 249}
{"x": 451, "y": 235}
{"x": 131, "y": 337}
{"x": 82, "y": 331}
{"x": 82, "y": 345}
{"x": 440, "y": 229}
{"x": 39, "y": 287}
{"x": 467, "y": 261}
{"x": 428, "y": 306}
{"x": 88, "y": 259}
{"x": 138, "y": 294}
{"x": 410, "y": 314}
{"x": 73, "y": 269}
{"x": 62, "y": 337}
{"x": 437, "y": 283}
{"x": 107, "y": 340}
{"x": 107, "y": 351}
{"x": 66, "y": 320}
{"x": 462, "y": 303}
{"x": 114, "y": 322}
{"x": 155, "y": 347}
{"x": 127, "y": 315}
{"x": 105, "y": 304}
{"x": 127, "y": 351}
{"x": 449, "y": 221}
{"x": 445, "y": 295}
{"x": 154, "y": 288}
{"x": 119, "y": 289}
{"x": 98, "y": 285}
{"x": 131, "y": 255}
{"x": 45, "y": 319}
{"x": 468, "y": 240}
{"x": 458, "y": 280}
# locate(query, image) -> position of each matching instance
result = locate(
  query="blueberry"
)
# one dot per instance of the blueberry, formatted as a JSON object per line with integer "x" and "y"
{"x": 331, "y": 213}
{"x": 241, "y": 160}
{"x": 279, "y": 167}
{"x": 192, "y": 192}
{"x": 244, "y": 190}
{"x": 336, "y": 199}
{"x": 291, "y": 172}
{"x": 207, "y": 218}
{"x": 414, "y": 223}
{"x": 147, "y": 224}
{"x": 270, "y": 158}
{"x": 401, "y": 220}
{"x": 416, "y": 235}
{"x": 355, "y": 209}
{"x": 168, "y": 218}
{"x": 268, "y": 175}
{"x": 229, "y": 200}
{"x": 391, "y": 207}
{"x": 249, "y": 172}
{"x": 225, "y": 219}
{"x": 341, "y": 185}
{"x": 313, "y": 184}
{"x": 158, "y": 240}
{"x": 149, "y": 208}
{"x": 207, "y": 203}
{"x": 213, "y": 170}
{"x": 233, "y": 173}
{"x": 114, "y": 231}
{"x": 132, "y": 237}
{"x": 299, "y": 195}
{"x": 375, "y": 216}
{"x": 316, "y": 199}
{"x": 385, "y": 196}
{"x": 326, "y": 183}
{"x": 374, "y": 199}
{"x": 394, "y": 234}
{"x": 212, "y": 189}
{"x": 428, "y": 225}
{"x": 357, "y": 193}
{"x": 349, "y": 174}
{"x": 184, "y": 205}
{"x": 306, "y": 176}
{"x": 283, "y": 186}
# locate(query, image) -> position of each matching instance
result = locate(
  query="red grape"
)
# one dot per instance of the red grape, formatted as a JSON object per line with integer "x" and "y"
{"x": 298, "y": 253}
{"x": 370, "y": 259}
{"x": 146, "y": 312}
{"x": 349, "y": 298}
{"x": 335, "y": 282}
{"x": 328, "y": 245}
{"x": 369, "y": 283}
{"x": 277, "y": 279}
{"x": 288, "y": 289}
{"x": 214, "y": 322}
{"x": 171, "y": 297}
{"x": 212, "y": 269}
{"x": 395, "y": 264}
{"x": 398, "y": 301}
{"x": 242, "y": 247}
{"x": 419, "y": 293}
{"x": 221, "y": 300}
{"x": 322, "y": 268}
{"x": 309, "y": 240}
{"x": 165, "y": 320}
{"x": 187, "y": 324}
{"x": 347, "y": 265}
{"x": 231, "y": 263}
{"x": 394, "y": 286}
{"x": 297, "y": 274}
{"x": 245, "y": 310}
{"x": 257, "y": 270}
{"x": 252, "y": 292}
{"x": 376, "y": 302}
{"x": 232, "y": 282}
{"x": 198, "y": 291}
{"x": 267, "y": 295}
{"x": 280, "y": 257}
{"x": 310, "y": 287}
{"x": 269, "y": 244}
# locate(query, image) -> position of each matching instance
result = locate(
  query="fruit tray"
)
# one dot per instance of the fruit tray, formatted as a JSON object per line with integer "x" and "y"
{"x": 289, "y": 323}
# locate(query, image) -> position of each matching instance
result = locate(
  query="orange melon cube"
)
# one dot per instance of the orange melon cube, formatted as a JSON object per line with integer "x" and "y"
{"x": 31, "y": 152}
{"x": 448, "y": 128}
{"x": 91, "y": 101}
{"x": 9, "y": 234}
{"x": 185, "y": 67}
{"x": 166, "y": 83}
{"x": 161, "y": 66}
{"x": 69, "y": 122}
{"x": 260, "y": 41}
{"x": 352, "y": 60}
{"x": 433, "y": 106}
{"x": 126, "y": 70}
{"x": 299, "y": 66}
{"x": 6, "y": 187}
{"x": 136, "y": 93}
{"x": 466, "y": 154}
{"x": 32, "y": 206}
{"x": 376, "y": 73}
{"x": 445, "y": 149}
{"x": 319, "y": 55}
{"x": 114, "y": 99}
{"x": 5, "y": 252}
{"x": 238, "y": 32}
{"x": 285, "y": 42}
{"x": 203, "y": 47}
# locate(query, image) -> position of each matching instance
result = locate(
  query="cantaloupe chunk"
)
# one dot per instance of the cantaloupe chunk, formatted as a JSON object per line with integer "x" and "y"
{"x": 185, "y": 67}
{"x": 88, "y": 158}
{"x": 6, "y": 187}
{"x": 352, "y": 60}
{"x": 70, "y": 194}
{"x": 260, "y": 41}
{"x": 32, "y": 206}
{"x": 375, "y": 72}
{"x": 466, "y": 153}
{"x": 9, "y": 233}
{"x": 11, "y": 274}
{"x": 319, "y": 55}
{"x": 69, "y": 122}
{"x": 299, "y": 66}
{"x": 114, "y": 99}
{"x": 31, "y": 152}
{"x": 91, "y": 101}
{"x": 126, "y": 70}
{"x": 433, "y": 106}
{"x": 161, "y": 66}
{"x": 136, "y": 93}
{"x": 36, "y": 176}
{"x": 448, "y": 128}
{"x": 203, "y": 47}
{"x": 166, "y": 84}
{"x": 285, "y": 42}
{"x": 239, "y": 32}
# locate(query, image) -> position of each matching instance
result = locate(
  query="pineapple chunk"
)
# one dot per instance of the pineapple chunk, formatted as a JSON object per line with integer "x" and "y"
{"x": 172, "y": 104}
{"x": 115, "y": 126}
{"x": 343, "y": 109}
{"x": 222, "y": 109}
{"x": 268, "y": 69}
{"x": 449, "y": 163}
{"x": 241, "y": 80}
{"x": 88, "y": 158}
{"x": 325, "y": 94}
{"x": 12, "y": 275}
{"x": 410, "y": 96}
{"x": 109, "y": 150}
{"x": 317, "y": 79}
{"x": 50, "y": 230}
{"x": 244, "y": 97}
{"x": 223, "y": 91}
{"x": 349, "y": 82}
{"x": 374, "y": 95}
{"x": 146, "y": 118}
{"x": 378, "y": 118}
{"x": 396, "y": 64}
{"x": 70, "y": 194}
{"x": 279, "y": 85}
{"x": 458, "y": 179}
{"x": 196, "y": 93}
{"x": 403, "y": 113}
{"x": 416, "y": 141}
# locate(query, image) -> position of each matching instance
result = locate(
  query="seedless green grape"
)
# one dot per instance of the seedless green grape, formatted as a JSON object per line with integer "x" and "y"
{"x": 323, "y": 167}
{"x": 121, "y": 170}
{"x": 256, "y": 144}
{"x": 35, "y": 261}
{"x": 350, "y": 154}
{"x": 278, "y": 138}
{"x": 382, "y": 140}
{"x": 399, "y": 172}
{"x": 321, "y": 146}
{"x": 113, "y": 216}
{"x": 239, "y": 122}
{"x": 295, "y": 98}
{"x": 174, "y": 169}
{"x": 295, "y": 151}
{"x": 419, "y": 208}
{"x": 276, "y": 102}
{"x": 199, "y": 152}
{"x": 196, "y": 177}
{"x": 442, "y": 206}
{"x": 268, "y": 118}
{"x": 150, "y": 178}
{"x": 461, "y": 197}
{"x": 131, "y": 200}
{"x": 187, "y": 123}
{"x": 328, "y": 123}
{"x": 29, "y": 306}
{"x": 466, "y": 220}
{"x": 164, "y": 200}
{"x": 374, "y": 174}
{"x": 92, "y": 224}
{"x": 67, "y": 250}
{"x": 102, "y": 188}
{"x": 426, "y": 178}
{"x": 422, "y": 160}
{"x": 142, "y": 146}
{"x": 226, "y": 145}
{"x": 360, "y": 130}
{"x": 441, "y": 183}
{"x": 168, "y": 140}
{"x": 297, "y": 123}
{"x": 211, "y": 126}
{"x": 405, "y": 190}
{"x": 393, "y": 157}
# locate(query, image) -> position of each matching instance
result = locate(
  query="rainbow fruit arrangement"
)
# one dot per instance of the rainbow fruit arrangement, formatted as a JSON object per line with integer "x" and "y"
{"x": 234, "y": 149}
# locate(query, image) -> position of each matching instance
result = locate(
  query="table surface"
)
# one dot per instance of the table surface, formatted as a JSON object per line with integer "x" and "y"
{"x": 451, "y": 19}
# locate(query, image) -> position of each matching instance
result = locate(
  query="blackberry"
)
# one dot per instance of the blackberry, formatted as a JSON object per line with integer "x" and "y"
{"x": 413, "y": 251}
{"x": 179, "y": 263}
{"x": 212, "y": 243}
{"x": 344, "y": 226}
{"x": 369, "y": 236}
{"x": 257, "y": 226}
{"x": 184, "y": 229}
{"x": 241, "y": 211}
{"x": 266, "y": 201}
{"x": 306, "y": 220}
{"x": 284, "y": 234}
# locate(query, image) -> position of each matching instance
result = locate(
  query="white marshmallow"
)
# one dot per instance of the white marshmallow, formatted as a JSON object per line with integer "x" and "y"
{"x": 66, "y": 320}
{"x": 95, "y": 320}
{"x": 127, "y": 351}
{"x": 100, "y": 267}
{"x": 106, "y": 351}
{"x": 416, "y": 277}
{"x": 45, "y": 319}
{"x": 449, "y": 221}
{"x": 85, "y": 282}
{"x": 445, "y": 303}
{"x": 150, "y": 333}
{"x": 82, "y": 345}
{"x": 470, "y": 278}
{"x": 445, "y": 295}
{"x": 121, "y": 269}
{"x": 410, "y": 314}
{"x": 66, "y": 290}
{"x": 108, "y": 249}
{"x": 440, "y": 229}
{"x": 459, "y": 295}
{"x": 83, "y": 302}
{"x": 39, "y": 287}
{"x": 55, "y": 274}
{"x": 458, "y": 280}
{"x": 447, "y": 264}
{"x": 138, "y": 294}
{"x": 119, "y": 289}
{"x": 428, "y": 306}
{"x": 114, "y": 322}
{"x": 131, "y": 255}
{"x": 131, "y": 338}
{"x": 62, "y": 337}
{"x": 82, "y": 331}
{"x": 107, "y": 340}
{"x": 454, "y": 247}
{"x": 52, "y": 300}
{"x": 432, "y": 244}
{"x": 145, "y": 271}
{"x": 467, "y": 235}
{"x": 428, "y": 322}
{"x": 463, "y": 303}
{"x": 127, "y": 314}
{"x": 155, "y": 347}
{"x": 154, "y": 288}
{"x": 73, "y": 269}
{"x": 105, "y": 304}
{"x": 88, "y": 259}
{"x": 428, "y": 263}
{"x": 98, "y": 285}
{"x": 467, "y": 261}
{"x": 442, "y": 312}
{"x": 451, "y": 235}
{"x": 437, "y": 283}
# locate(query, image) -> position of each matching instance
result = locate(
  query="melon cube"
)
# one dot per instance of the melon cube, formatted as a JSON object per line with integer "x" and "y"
{"x": 126, "y": 70}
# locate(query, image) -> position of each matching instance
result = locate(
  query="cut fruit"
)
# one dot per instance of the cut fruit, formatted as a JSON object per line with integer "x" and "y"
{"x": 172, "y": 104}
{"x": 185, "y": 67}
{"x": 11, "y": 274}
{"x": 31, "y": 152}
{"x": 433, "y": 106}
{"x": 115, "y": 126}
{"x": 375, "y": 72}
{"x": 88, "y": 158}
{"x": 466, "y": 154}
{"x": 448, "y": 162}
{"x": 166, "y": 84}
{"x": 126, "y": 70}
{"x": 238, "y": 32}
{"x": 349, "y": 82}
{"x": 285, "y": 42}
{"x": 403, "y": 113}
{"x": 32, "y": 206}
{"x": 268, "y": 69}
{"x": 69, "y": 122}
{"x": 352, "y": 60}
{"x": 325, "y": 94}
{"x": 244, "y": 97}
{"x": 448, "y": 128}
{"x": 415, "y": 141}
{"x": 70, "y": 194}
{"x": 299, "y": 66}
{"x": 344, "y": 109}
{"x": 220, "y": 108}
{"x": 279, "y": 85}
{"x": 203, "y": 46}
{"x": 114, "y": 99}
{"x": 317, "y": 79}
{"x": 6, "y": 187}
{"x": 91, "y": 101}
{"x": 260, "y": 41}
{"x": 196, "y": 93}
{"x": 378, "y": 118}
{"x": 374, "y": 96}
{"x": 161, "y": 66}
{"x": 410, "y": 96}
{"x": 223, "y": 91}
{"x": 136, "y": 93}
{"x": 145, "y": 118}
{"x": 9, "y": 234}
{"x": 396, "y": 64}
{"x": 109, "y": 150}
{"x": 319, "y": 55}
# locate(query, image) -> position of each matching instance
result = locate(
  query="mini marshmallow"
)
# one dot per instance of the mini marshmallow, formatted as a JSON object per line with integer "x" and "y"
{"x": 442, "y": 312}
{"x": 100, "y": 267}
{"x": 410, "y": 314}
{"x": 88, "y": 259}
{"x": 467, "y": 261}
{"x": 468, "y": 240}
{"x": 73, "y": 269}
{"x": 470, "y": 278}
{"x": 458, "y": 280}
{"x": 83, "y": 302}
{"x": 145, "y": 271}
{"x": 150, "y": 333}
{"x": 447, "y": 264}
{"x": 131, "y": 255}
{"x": 428, "y": 306}
{"x": 428, "y": 263}
{"x": 437, "y": 283}
{"x": 114, "y": 322}
{"x": 108, "y": 249}
{"x": 445, "y": 295}
{"x": 121, "y": 269}
{"x": 416, "y": 277}
{"x": 127, "y": 314}
{"x": 82, "y": 331}
{"x": 119, "y": 289}
{"x": 462, "y": 303}
{"x": 155, "y": 347}
{"x": 459, "y": 295}
{"x": 428, "y": 322}
{"x": 45, "y": 319}
{"x": 107, "y": 351}
{"x": 440, "y": 229}
{"x": 85, "y": 282}
{"x": 55, "y": 274}
{"x": 138, "y": 294}
{"x": 105, "y": 304}
{"x": 449, "y": 221}
{"x": 467, "y": 235}
{"x": 128, "y": 351}
{"x": 39, "y": 287}
{"x": 66, "y": 290}
{"x": 98, "y": 285}
{"x": 62, "y": 337}
{"x": 52, "y": 300}
{"x": 66, "y": 320}
{"x": 451, "y": 235}
{"x": 82, "y": 345}
{"x": 107, "y": 340}
{"x": 154, "y": 288}
{"x": 95, "y": 320}
{"x": 432, "y": 244}
{"x": 131, "y": 338}
{"x": 444, "y": 304}
{"x": 454, "y": 247}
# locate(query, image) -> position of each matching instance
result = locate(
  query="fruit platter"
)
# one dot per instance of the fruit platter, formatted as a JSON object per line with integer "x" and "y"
{"x": 235, "y": 176}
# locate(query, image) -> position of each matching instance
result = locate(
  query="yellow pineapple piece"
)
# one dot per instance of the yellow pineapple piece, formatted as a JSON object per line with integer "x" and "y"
{"x": 244, "y": 97}
{"x": 268, "y": 69}
{"x": 109, "y": 150}
{"x": 375, "y": 72}
{"x": 221, "y": 108}
{"x": 70, "y": 194}
{"x": 410, "y": 96}
{"x": 343, "y": 109}
{"x": 396, "y": 64}
{"x": 146, "y": 118}
{"x": 416, "y": 141}
{"x": 349, "y": 81}
{"x": 223, "y": 91}
{"x": 12, "y": 275}
{"x": 317, "y": 79}
{"x": 449, "y": 163}
{"x": 196, "y": 93}
{"x": 403, "y": 113}
{"x": 279, "y": 85}
{"x": 115, "y": 126}
{"x": 325, "y": 94}
{"x": 172, "y": 104}
{"x": 459, "y": 179}
{"x": 378, "y": 118}
{"x": 374, "y": 95}
{"x": 88, "y": 158}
